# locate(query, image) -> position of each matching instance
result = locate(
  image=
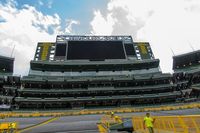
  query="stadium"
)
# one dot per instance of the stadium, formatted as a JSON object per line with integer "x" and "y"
{"x": 81, "y": 75}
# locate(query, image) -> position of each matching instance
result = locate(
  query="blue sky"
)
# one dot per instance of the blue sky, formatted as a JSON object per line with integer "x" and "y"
{"x": 80, "y": 10}
{"x": 166, "y": 24}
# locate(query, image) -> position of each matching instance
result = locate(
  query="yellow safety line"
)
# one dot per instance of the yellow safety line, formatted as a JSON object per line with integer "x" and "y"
{"x": 39, "y": 124}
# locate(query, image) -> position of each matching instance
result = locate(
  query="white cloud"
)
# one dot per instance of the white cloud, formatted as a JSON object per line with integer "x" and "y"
{"x": 24, "y": 28}
{"x": 69, "y": 24}
{"x": 102, "y": 25}
{"x": 165, "y": 24}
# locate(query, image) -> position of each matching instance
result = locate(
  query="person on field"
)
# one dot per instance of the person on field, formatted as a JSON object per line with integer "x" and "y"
{"x": 148, "y": 123}
{"x": 112, "y": 114}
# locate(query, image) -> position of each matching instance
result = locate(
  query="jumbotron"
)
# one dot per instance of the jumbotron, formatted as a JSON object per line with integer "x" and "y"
{"x": 78, "y": 72}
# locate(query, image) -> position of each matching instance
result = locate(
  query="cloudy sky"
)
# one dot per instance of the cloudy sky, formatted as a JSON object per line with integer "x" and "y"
{"x": 169, "y": 25}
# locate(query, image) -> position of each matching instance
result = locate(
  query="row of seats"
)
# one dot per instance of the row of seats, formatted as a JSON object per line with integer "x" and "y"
{"x": 10, "y": 80}
{"x": 158, "y": 95}
{"x": 91, "y": 93}
{"x": 94, "y": 78}
{"x": 91, "y": 89}
{"x": 89, "y": 84}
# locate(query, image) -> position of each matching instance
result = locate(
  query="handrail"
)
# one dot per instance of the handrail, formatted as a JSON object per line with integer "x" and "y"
{"x": 173, "y": 124}
{"x": 170, "y": 124}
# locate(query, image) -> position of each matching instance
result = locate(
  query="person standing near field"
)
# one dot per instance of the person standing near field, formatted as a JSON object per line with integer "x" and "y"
{"x": 148, "y": 122}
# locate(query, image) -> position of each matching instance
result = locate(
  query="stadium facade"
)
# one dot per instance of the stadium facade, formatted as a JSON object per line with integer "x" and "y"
{"x": 100, "y": 71}
{"x": 8, "y": 82}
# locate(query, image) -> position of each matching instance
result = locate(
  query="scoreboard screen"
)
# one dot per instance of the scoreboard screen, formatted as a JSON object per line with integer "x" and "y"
{"x": 130, "y": 49}
{"x": 95, "y": 50}
{"x": 60, "y": 49}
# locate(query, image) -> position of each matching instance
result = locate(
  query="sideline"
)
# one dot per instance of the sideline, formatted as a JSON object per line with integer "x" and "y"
{"x": 37, "y": 125}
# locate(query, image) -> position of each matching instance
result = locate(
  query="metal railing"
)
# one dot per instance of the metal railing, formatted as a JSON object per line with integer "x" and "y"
{"x": 173, "y": 124}
{"x": 169, "y": 124}
{"x": 7, "y": 114}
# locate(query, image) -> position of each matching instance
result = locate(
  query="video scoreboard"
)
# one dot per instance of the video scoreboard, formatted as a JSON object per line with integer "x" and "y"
{"x": 92, "y": 48}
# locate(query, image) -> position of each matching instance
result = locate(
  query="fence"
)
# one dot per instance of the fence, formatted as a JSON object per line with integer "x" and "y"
{"x": 99, "y": 111}
{"x": 166, "y": 124}
{"x": 174, "y": 124}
